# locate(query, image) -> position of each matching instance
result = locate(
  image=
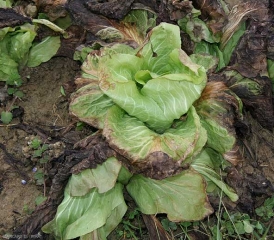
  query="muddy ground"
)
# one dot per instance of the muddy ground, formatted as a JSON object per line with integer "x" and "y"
{"x": 46, "y": 117}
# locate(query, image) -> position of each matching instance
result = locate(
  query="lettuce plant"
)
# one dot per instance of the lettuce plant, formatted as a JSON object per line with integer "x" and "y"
{"x": 145, "y": 102}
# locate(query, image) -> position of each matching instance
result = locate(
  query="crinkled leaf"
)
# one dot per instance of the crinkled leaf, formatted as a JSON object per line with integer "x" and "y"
{"x": 205, "y": 166}
{"x": 43, "y": 51}
{"x": 83, "y": 182}
{"x": 172, "y": 82}
{"x": 181, "y": 197}
{"x": 78, "y": 216}
{"x": 131, "y": 137}
{"x": 8, "y": 69}
{"x": 20, "y": 44}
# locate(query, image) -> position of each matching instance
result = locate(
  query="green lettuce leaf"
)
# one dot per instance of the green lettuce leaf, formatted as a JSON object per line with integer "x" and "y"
{"x": 78, "y": 216}
{"x": 181, "y": 197}
{"x": 90, "y": 104}
{"x": 270, "y": 69}
{"x": 171, "y": 81}
{"x": 43, "y": 51}
{"x": 206, "y": 166}
{"x": 132, "y": 138}
{"x": 95, "y": 178}
{"x": 218, "y": 108}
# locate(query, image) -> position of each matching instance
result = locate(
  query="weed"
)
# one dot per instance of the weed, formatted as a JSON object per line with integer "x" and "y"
{"x": 266, "y": 211}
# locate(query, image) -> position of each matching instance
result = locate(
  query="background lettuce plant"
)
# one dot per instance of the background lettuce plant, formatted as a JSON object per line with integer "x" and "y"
{"x": 145, "y": 103}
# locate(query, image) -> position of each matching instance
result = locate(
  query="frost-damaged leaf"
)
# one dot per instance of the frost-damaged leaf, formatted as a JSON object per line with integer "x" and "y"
{"x": 213, "y": 12}
{"x": 83, "y": 182}
{"x": 132, "y": 138}
{"x": 256, "y": 94}
{"x": 218, "y": 108}
{"x": 78, "y": 216}
{"x": 181, "y": 197}
{"x": 206, "y": 165}
{"x": 43, "y": 51}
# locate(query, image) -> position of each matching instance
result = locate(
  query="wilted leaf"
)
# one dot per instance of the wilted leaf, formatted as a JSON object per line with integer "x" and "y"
{"x": 78, "y": 216}
{"x": 103, "y": 177}
{"x": 218, "y": 108}
{"x": 181, "y": 197}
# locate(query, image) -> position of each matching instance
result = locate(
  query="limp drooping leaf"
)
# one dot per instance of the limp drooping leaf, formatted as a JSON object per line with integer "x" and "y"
{"x": 218, "y": 108}
{"x": 43, "y": 51}
{"x": 181, "y": 197}
{"x": 78, "y": 216}
{"x": 83, "y": 182}
{"x": 205, "y": 165}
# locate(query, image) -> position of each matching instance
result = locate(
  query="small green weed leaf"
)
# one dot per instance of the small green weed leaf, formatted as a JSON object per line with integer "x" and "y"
{"x": 168, "y": 225}
{"x": 19, "y": 94}
{"x": 37, "y": 153}
{"x": 62, "y": 90}
{"x": 44, "y": 147}
{"x": 35, "y": 143}
{"x": 11, "y": 91}
{"x": 39, "y": 175}
{"x": 40, "y": 199}
{"x": 240, "y": 227}
{"x": 6, "y": 117}
{"x": 248, "y": 227}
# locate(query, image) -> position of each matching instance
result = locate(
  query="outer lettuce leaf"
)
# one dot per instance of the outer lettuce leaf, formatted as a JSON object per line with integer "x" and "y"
{"x": 43, "y": 51}
{"x": 206, "y": 166}
{"x": 196, "y": 29}
{"x": 181, "y": 197}
{"x": 218, "y": 108}
{"x": 78, "y": 216}
{"x": 95, "y": 178}
{"x": 211, "y": 50}
{"x": 90, "y": 104}
{"x": 132, "y": 138}
{"x": 270, "y": 69}
{"x": 111, "y": 223}
{"x": 143, "y": 20}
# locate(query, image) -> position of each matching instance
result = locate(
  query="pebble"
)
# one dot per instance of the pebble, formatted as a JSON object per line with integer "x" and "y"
{"x": 24, "y": 182}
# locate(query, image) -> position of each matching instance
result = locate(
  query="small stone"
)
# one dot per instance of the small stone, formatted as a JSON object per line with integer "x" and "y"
{"x": 24, "y": 182}
{"x": 34, "y": 169}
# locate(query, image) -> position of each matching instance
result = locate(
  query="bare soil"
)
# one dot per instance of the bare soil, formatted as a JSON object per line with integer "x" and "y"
{"x": 45, "y": 117}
